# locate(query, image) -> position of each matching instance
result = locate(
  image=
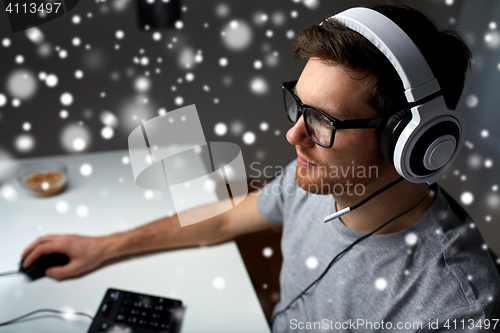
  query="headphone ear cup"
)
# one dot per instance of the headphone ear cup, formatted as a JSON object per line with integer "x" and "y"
{"x": 391, "y": 131}
{"x": 422, "y": 151}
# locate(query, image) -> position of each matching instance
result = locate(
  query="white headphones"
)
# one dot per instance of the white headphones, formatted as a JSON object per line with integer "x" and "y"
{"x": 421, "y": 141}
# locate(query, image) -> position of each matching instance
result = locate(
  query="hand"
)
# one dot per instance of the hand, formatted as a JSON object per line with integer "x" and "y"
{"x": 85, "y": 254}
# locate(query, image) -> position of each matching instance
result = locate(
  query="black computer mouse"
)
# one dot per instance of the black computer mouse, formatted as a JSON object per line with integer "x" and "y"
{"x": 37, "y": 269}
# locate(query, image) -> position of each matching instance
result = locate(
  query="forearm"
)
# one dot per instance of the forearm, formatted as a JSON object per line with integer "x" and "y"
{"x": 167, "y": 233}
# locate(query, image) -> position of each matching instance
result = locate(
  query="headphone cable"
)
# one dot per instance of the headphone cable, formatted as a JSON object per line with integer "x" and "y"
{"x": 44, "y": 310}
{"x": 347, "y": 249}
{"x": 346, "y": 210}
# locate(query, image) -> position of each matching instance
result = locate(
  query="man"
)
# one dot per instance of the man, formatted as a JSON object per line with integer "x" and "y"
{"x": 424, "y": 271}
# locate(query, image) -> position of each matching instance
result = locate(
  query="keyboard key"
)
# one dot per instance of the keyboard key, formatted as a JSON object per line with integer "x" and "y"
{"x": 106, "y": 307}
{"x": 114, "y": 295}
{"x": 120, "y": 329}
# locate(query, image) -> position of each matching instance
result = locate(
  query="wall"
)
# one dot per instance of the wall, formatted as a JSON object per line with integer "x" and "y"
{"x": 133, "y": 78}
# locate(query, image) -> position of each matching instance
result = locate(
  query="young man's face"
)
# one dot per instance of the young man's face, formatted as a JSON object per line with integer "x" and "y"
{"x": 343, "y": 94}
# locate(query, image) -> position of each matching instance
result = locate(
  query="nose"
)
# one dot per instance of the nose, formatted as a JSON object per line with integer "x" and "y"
{"x": 297, "y": 135}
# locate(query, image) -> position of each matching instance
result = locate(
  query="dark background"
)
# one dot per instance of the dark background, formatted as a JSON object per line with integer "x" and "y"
{"x": 107, "y": 95}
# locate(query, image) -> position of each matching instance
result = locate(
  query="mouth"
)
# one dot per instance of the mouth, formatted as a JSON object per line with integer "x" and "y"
{"x": 303, "y": 162}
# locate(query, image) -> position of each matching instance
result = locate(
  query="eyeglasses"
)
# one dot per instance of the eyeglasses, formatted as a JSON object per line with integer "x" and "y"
{"x": 320, "y": 126}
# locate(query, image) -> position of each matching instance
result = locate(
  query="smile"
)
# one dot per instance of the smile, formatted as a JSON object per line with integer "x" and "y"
{"x": 302, "y": 162}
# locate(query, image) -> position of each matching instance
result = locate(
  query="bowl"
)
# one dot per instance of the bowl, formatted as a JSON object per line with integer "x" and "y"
{"x": 44, "y": 179}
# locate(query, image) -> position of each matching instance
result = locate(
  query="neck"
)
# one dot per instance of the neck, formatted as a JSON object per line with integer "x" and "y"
{"x": 385, "y": 206}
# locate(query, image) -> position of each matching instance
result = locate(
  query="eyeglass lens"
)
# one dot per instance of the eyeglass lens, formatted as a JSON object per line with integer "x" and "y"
{"x": 291, "y": 107}
{"x": 318, "y": 126}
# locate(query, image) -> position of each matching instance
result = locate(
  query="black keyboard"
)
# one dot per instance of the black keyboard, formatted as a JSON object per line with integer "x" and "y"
{"x": 127, "y": 312}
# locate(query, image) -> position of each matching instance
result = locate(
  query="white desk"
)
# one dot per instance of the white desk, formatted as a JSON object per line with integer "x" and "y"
{"x": 115, "y": 204}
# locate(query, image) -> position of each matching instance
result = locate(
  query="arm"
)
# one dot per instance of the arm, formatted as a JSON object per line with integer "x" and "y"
{"x": 166, "y": 233}
{"x": 88, "y": 253}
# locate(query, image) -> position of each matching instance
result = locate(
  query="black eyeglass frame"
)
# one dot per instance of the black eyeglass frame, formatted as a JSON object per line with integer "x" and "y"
{"x": 335, "y": 123}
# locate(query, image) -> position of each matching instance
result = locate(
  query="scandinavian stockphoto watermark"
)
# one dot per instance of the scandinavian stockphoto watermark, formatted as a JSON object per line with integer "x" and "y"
{"x": 170, "y": 152}
{"x": 337, "y": 180}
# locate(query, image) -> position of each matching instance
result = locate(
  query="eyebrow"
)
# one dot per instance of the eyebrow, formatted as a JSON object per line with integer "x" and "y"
{"x": 341, "y": 114}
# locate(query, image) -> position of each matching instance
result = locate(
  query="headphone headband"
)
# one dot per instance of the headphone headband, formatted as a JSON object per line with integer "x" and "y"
{"x": 394, "y": 43}
{"x": 423, "y": 139}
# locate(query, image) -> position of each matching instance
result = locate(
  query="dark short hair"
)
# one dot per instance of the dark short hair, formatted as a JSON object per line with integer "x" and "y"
{"x": 445, "y": 51}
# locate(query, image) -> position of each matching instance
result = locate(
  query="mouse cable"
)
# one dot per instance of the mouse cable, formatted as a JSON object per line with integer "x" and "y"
{"x": 44, "y": 310}
{"x": 347, "y": 249}
{"x": 10, "y": 273}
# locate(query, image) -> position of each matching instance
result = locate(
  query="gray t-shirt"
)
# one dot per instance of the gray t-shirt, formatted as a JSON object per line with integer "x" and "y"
{"x": 437, "y": 272}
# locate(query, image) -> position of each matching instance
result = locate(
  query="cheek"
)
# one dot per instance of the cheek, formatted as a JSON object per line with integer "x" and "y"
{"x": 370, "y": 139}
{"x": 360, "y": 143}
{"x": 355, "y": 138}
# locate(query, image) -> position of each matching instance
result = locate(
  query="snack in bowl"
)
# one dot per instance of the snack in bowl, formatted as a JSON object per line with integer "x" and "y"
{"x": 44, "y": 179}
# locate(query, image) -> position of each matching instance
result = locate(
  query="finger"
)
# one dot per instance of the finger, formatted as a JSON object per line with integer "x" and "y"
{"x": 30, "y": 247}
{"x": 63, "y": 272}
{"x": 39, "y": 251}
{"x": 36, "y": 243}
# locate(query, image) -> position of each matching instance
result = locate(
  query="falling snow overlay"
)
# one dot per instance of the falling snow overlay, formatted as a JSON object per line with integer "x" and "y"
{"x": 81, "y": 83}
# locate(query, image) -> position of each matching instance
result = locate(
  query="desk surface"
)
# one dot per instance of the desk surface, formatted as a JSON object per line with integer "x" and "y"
{"x": 211, "y": 281}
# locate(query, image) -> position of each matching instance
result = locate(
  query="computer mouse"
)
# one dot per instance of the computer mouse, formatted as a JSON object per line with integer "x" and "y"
{"x": 37, "y": 269}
